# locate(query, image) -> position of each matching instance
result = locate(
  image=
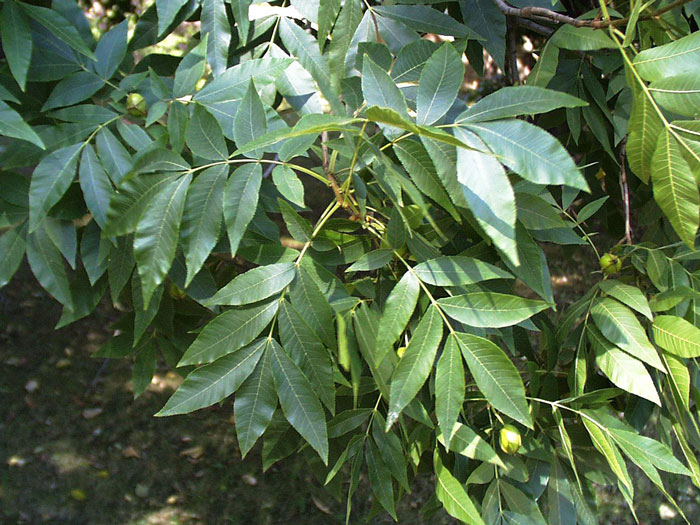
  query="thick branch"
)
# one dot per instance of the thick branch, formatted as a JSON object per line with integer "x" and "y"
{"x": 542, "y": 14}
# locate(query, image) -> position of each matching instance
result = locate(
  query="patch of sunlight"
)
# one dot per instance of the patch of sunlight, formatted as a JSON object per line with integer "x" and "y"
{"x": 166, "y": 516}
{"x": 666, "y": 512}
{"x": 65, "y": 459}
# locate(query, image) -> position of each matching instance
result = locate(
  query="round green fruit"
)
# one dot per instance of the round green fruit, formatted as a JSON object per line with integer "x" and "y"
{"x": 136, "y": 104}
{"x": 610, "y": 263}
{"x": 510, "y": 439}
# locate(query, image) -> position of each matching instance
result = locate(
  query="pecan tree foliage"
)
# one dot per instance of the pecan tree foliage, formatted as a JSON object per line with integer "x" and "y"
{"x": 304, "y": 218}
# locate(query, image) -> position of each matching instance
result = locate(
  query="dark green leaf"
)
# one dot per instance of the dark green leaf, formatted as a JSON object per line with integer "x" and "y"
{"x": 204, "y": 135}
{"x": 241, "y": 201}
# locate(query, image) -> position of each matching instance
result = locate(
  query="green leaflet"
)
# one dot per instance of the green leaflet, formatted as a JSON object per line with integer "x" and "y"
{"x": 211, "y": 383}
{"x": 671, "y": 59}
{"x": 490, "y": 309}
{"x": 457, "y": 271}
{"x": 453, "y": 495}
{"x": 50, "y": 180}
{"x": 250, "y": 121}
{"x": 228, "y": 332}
{"x": 622, "y": 369}
{"x": 155, "y": 240}
{"x": 254, "y": 404}
{"x": 675, "y": 188}
{"x": 415, "y": 365}
{"x": 240, "y": 202}
{"x": 439, "y": 83}
{"x": 626, "y": 294}
{"x": 619, "y": 325}
{"x": 380, "y": 479}
{"x": 307, "y": 351}
{"x": 12, "y": 125}
{"x": 201, "y": 218}
{"x": 254, "y": 285}
{"x": 676, "y": 335}
{"x": 96, "y": 186}
{"x": 449, "y": 387}
{"x": 12, "y": 246}
{"x": 398, "y": 309}
{"x": 299, "y": 402}
{"x": 518, "y": 100}
{"x": 496, "y": 376}
{"x": 204, "y": 135}
{"x": 531, "y": 152}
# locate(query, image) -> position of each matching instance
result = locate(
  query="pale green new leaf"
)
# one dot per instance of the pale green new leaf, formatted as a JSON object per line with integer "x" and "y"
{"x": 440, "y": 80}
{"x": 449, "y": 387}
{"x": 620, "y": 326}
{"x": 622, "y": 369}
{"x": 676, "y": 335}
{"x": 675, "y": 188}
{"x": 228, "y": 332}
{"x": 496, "y": 376}
{"x": 398, "y": 309}
{"x": 201, "y": 219}
{"x": 155, "y": 241}
{"x": 241, "y": 201}
{"x": 211, "y": 383}
{"x": 299, "y": 401}
{"x": 415, "y": 365}
{"x": 490, "y": 309}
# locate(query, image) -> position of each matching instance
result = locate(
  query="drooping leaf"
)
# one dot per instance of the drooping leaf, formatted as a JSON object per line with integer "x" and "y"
{"x": 12, "y": 246}
{"x": 626, "y": 294}
{"x": 465, "y": 441}
{"x": 215, "y": 23}
{"x": 254, "y": 404}
{"x": 496, "y": 376}
{"x": 255, "y": 285}
{"x": 155, "y": 241}
{"x": 449, "y": 387}
{"x": 59, "y": 27}
{"x": 110, "y": 50}
{"x": 457, "y": 271}
{"x": 675, "y": 188}
{"x": 240, "y": 201}
{"x": 201, "y": 218}
{"x": 96, "y": 186}
{"x": 228, "y": 332}
{"x": 679, "y": 56}
{"x": 16, "y": 41}
{"x": 440, "y": 80}
{"x": 398, "y": 309}
{"x": 308, "y": 298}
{"x": 453, "y": 495}
{"x": 47, "y": 265}
{"x": 204, "y": 135}
{"x": 622, "y": 369}
{"x": 299, "y": 401}
{"x": 51, "y": 179}
{"x": 490, "y": 309}
{"x": 676, "y": 335}
{"x": 380, "y": 479}
{"x": 211, "y": 383}
{"x": 518, "y": 100}
{"x": 415, "y": 365}
{"x": 12, "y": 125}
{"x": 488, "y": 192}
